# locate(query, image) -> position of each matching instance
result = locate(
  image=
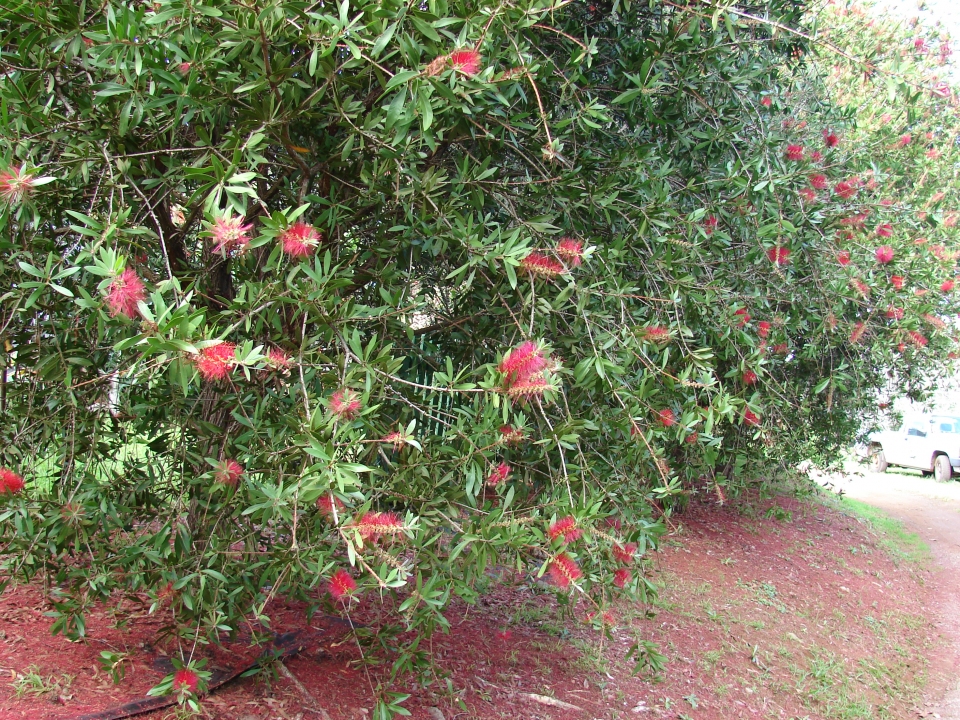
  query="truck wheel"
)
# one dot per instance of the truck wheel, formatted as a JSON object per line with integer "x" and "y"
{"x": 878, "y": 461}
{"x": 942, "y": 470}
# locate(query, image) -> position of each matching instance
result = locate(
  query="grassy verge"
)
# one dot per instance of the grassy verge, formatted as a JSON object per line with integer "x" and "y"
{"x": 891, "y": 534}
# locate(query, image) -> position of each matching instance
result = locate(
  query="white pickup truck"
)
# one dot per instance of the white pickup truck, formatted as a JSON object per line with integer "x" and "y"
{"x": 929, "y": 443}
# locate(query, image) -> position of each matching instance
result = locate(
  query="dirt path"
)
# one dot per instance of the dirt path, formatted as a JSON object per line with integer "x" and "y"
{"x": 932, "y": 511}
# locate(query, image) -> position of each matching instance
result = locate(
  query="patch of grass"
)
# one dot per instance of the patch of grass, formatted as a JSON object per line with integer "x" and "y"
{"x": 899, "y": 542}
{"x": 31, "y": 682}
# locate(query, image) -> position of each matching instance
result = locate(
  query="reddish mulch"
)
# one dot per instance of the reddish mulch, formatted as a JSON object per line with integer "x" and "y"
{"x": 801, "y": 616}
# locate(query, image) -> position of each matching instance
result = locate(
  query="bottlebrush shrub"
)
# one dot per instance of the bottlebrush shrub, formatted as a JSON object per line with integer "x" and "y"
{"x": 453, "y": 219}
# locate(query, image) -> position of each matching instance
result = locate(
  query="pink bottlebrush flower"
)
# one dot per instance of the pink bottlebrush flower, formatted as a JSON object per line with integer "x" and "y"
{"x": 830, "y": 139}
{"x": 622, "y": 577}
{"x": 751, "y": 418}
{"x": 300, "y": 239}
{"x": 763, "y": 328}
{"x": 901, "y": 346}
{"x": 742, "y": 316}
{"x": 564, "y": 571}
{"x": 184, "y": 68}
{"x": 216, "y": 362}
{"x": 917, "y": 338}
{"x": 656, "y": 334}
{"x": 950, "y": 219}
{"x": 843, "y": 257}
{"x": 894, "y": 313}
{"x": 124, "y": 294}
{"x": 809, "y": 195}
{"x": 897, "y": 281}
{"x": 749, "y": 377}
{"x": 818, "y": 182}
{"x": 15, "y": 185}
{"x": 859, "y": 329}
{"x": 341, "y": 585}
{"x": 795, "y": 152}
{"x": 10, "y": 482}
{"x": 538, "y": 264}
{"x": 228, "y": 473}
{"x": 779, "y": 255}
{"x": 666, "y": 417}
{"x": 884, "y": 254}
{"x": 780, "y": 348}
{"x": 801, "y": 125}
{"x": 466, "y": 61}
{"x": 947, "y": 286}
{"x": 374, "y": 524}
{"x": 861, "y": 287}
{"x": 278, "y": 359}
{"x": 327, "y": 502}
{"x": 816, "y": 156}
{"x": 767, "y": 101}
{"x": 499, "y": 474}
{"x": 939, "y": 252}
{"x": 186, "y": 679}
{"x": 845, "y": 189}
{"x": 528, "y": 387}
{"x": 920, "y": 292}
{"x": 887, "y": 202}
{"x": 345, "y": 404}
{"x": 570, "y": 251}
{"x": 566, "y": 528}
{"x": 920, "y": 45}
{"x": 521, "y": 362}
{"x": 229, "y": 235}
{"x": 395, "y": 438}
{"x": 922, "y": 215}
{"x": 904, "y": 140}
{"x": 511, "y": 435}
{"x": 885, "y": 118}
{"x": 885, "y": 230}
{"x": 933, "y": 153}
{"x": 710, "y": 224}
{"x": 624, "y": 553}
{"x": 935, "y": 321}
{"x": 856, "y": 221}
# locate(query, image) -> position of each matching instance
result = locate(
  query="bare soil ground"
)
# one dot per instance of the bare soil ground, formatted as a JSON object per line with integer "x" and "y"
{"x": 776, "y": 608}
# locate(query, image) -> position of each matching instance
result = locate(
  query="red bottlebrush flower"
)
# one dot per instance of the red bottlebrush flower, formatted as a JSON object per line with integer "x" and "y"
{"x": 511, "y": 435}
{"x": 897, "y": 281}
{"x": 563, "y": 571}
{"x": 466, "y": 61}
{"x": 795, "y": 152}
{"x": 885, "y": 230}
{"x": 884, "y": 254}
{"x": 278, "y": 359}
{"x": 920, "y": 45}
{"x": 917, "y": 338}
{"x": 499, "y": 474}
{"x": 887, "y": 202}
{"x": 816, "y": 156}
{"x": 15, "y": 185}
{"x": 374, "y": 524}
{"x": 216, "y": 362}
{"x": 749, "y": 377}
{"x": 922, "y": 215}
{"x": 523, "y": 361}
{"x": 666, "y": 417}
{"x": 692, "y": 438}
{"x": 933, "y": 153}
{"x": 947, "y": 286}
{"x": 395, "y": 438}
{"x": 904, "y": 140}
{"x": 300, "y": 239}
{"x": 10, "y": 482}
{"x": 622, "y": 577}
{"x": 935, "y": 321}
{"x": 570, "y": 251}
{"x": 861, "y": 287}
{"x": 565, "y": 527}
{"x": 528, "y": 387}
{"x": 743, "y": 317}
{"x": 801, "y": 125}
{"x": 845, "y": 189}
{"x": 763, "y": 328}
{"x": 950, "y": 219}
{"x": 830, "y": 139}
{"x": 779, "y": 255}
{"x": 538, "y": 264}
{"x": 857, "y": 221}
{"x": 341, "y": 585}
{"x": 124, "y": 293}
{"x": 184, "y": 68}
{"x": 656, "y": 334}
{"x": 229, "y": 473}
{"x": 751, "y": 418}
{"x": 186, "y": 679}
{"x": 767, "y": 101}
{"x": 230, "y": 236}
{"x": 327, "y": 502}
{"x": 710, "y": 224}
{"x": 345, "y": 404}
{"x": 858, "y": 330}
{"x": 625, "y": 553}
{"x": 894, "y": 313}
{"x": 780, "y": 348}
{"x": 808, "y": 195}
{"x": 843, "y": 257}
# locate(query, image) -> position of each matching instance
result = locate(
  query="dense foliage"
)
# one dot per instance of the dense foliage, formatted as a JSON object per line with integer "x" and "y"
{"x": 318, "y": 300}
